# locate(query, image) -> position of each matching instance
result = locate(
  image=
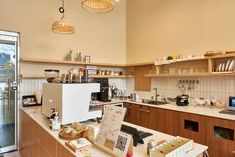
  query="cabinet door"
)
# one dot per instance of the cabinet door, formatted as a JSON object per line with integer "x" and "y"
{"x": 131, "y": 113}
{"x": 142, "y": 83}
{"x": 192, "y": 126}
{"x": 167, "y": 121}
{"x": 220, "y": 137}
{"x": 147, "y": 117}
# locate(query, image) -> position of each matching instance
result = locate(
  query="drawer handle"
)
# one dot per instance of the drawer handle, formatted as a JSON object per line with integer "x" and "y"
{"x": 233, "y": 152}
{"x": 144, "y": 110}
{"x": 129, "y": 107}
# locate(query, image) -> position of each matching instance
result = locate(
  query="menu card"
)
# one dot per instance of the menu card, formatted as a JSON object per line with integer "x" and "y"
{"x": 110, "y": 126}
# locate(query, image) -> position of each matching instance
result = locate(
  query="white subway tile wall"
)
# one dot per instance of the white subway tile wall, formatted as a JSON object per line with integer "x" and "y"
{"x": 30, "y": 86}
{"x": 220, "y": 87}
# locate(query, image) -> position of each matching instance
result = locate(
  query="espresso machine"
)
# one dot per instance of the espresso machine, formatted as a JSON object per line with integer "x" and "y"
{"x": 103, "y": 95}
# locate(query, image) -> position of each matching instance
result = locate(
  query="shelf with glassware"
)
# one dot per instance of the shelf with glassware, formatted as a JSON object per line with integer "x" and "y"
{"x": 90, "y": 76}
{"x": 221, "y": 65}
{"x": 107, "y": 70}
{"x": 38, "y": 66}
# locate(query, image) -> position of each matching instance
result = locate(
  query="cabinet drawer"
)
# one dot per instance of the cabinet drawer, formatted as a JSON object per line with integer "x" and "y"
{"x": 220, "y": 137}
{"x": 192, "y": 126}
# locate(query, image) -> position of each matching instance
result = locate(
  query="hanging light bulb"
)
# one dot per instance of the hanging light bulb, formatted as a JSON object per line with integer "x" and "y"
{"x": 62, "y": 25}
{"x": 98, "y": 6}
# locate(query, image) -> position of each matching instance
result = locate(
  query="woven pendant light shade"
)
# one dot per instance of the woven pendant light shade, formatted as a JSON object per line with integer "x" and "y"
{"x": 98, "y": 6}
{"x": 63, "y": 26}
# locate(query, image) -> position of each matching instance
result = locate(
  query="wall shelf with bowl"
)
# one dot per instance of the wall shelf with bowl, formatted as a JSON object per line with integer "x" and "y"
{"x": 133, "y": 70}
{"x": 37, "y": 66}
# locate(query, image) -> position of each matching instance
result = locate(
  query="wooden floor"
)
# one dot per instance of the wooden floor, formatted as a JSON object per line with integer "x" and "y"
{"x": 12, "y": 154}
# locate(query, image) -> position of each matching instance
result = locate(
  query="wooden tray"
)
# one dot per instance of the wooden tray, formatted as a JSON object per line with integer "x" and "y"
{"x": 78, "y": 131}
{"x": 77, "y": 135}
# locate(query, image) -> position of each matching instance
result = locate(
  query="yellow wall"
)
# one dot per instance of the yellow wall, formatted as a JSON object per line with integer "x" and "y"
{"x": 168, "y": 27}
{"x": 151, "y": 28}
{"x": 103, "y": 37}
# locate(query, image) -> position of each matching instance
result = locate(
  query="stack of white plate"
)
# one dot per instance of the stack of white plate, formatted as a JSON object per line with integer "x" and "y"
{"x": 226, "y": 66}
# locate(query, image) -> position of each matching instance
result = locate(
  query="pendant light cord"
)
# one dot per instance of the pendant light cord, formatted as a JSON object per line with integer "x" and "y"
{"x": 61, "y": 9}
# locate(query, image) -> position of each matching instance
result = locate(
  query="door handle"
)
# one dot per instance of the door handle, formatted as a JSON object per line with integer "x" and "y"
{"x": 9, "y": 95}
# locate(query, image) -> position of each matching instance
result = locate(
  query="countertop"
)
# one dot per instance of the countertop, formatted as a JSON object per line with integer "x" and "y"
{"x": 199, "y": 110}
{"x": 139, "y": 151}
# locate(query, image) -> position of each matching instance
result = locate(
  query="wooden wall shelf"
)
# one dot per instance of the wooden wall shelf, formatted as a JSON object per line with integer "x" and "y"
{"x": 111, "y": 76}
{"x": 91, "y": 76}
{"x": 205, "y": 66}
{"x": 47, "y": 61}
{"x": 222, "y": 56}
{"x": 193, "y": 75}
{"x": 139, "y": 64}
{"x": 179, "y": 75}
{"x": 223, "y": 73}
{"x": 32, "y": 76}
{"x": 183, "y": 60}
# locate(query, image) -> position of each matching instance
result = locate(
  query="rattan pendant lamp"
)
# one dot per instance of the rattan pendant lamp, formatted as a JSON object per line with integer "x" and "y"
{"x": 98, "y": 6}
{"x": 63, "y": 26}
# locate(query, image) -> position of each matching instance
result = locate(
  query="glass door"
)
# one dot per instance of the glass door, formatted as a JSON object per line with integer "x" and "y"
{"x": 8, "y": 90}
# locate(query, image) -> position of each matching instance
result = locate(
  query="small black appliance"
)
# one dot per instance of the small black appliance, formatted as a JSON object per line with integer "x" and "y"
{"x": 182, "y": 100}
{"x": 103, "y": 95}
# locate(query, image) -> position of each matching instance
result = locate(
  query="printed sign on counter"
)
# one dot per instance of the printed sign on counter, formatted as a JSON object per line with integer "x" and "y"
{"x": 109, "y": 135}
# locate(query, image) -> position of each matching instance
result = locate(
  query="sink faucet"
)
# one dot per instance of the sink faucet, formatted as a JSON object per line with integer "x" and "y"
{"x": 156, "y": 95}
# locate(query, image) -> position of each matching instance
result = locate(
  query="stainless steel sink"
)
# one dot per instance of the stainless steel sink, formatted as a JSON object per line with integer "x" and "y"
{"x": 153, "y": 102}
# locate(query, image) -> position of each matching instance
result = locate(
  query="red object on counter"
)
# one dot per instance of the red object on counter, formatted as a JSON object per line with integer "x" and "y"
{"x": 128, "y": 155}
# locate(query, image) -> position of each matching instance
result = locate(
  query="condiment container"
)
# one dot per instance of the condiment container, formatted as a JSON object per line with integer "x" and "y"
{"x": 151, "y": 144}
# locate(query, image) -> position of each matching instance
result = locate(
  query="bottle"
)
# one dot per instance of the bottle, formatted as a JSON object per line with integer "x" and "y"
{"x": 110, "y": 93}
{"x": 79, "y": 57}
{"x": 55, "y": 123}
{"x": 69, "y": 55}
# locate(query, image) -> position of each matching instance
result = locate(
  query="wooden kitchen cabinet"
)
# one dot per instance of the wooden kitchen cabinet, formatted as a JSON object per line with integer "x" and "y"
{"x": 132, "y": 113}
{"x": 192, "y": 126}
{"x": 147, "y": 117}
{"x": 220, "y": 136}
{"x": 142, "y": 83}
{"x": 34, "y": 141}
{"x": 167, "y": 121}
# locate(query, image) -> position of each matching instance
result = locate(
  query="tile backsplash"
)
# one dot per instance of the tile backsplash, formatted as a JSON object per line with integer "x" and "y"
{"x": 30, "y": 86}
{"x": 220, "y": 87}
